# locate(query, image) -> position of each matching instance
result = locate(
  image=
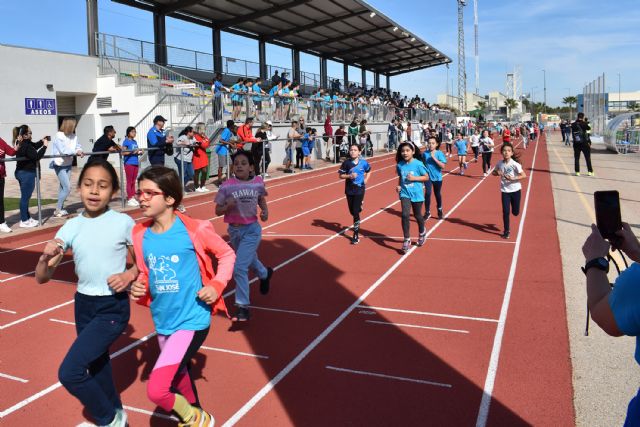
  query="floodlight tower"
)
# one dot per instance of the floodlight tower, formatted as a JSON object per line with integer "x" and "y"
{"x": 475, "y": 31}
{"x": 462, "y": 71}
{"x": 514, "y": 85}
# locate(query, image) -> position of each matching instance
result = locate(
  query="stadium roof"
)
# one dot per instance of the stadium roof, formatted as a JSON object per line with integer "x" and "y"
{"x": 348, "y": 31}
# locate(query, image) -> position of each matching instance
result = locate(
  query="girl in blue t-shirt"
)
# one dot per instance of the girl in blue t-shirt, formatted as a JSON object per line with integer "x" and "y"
{"x": 307, "y": 145}
{"x": 461, "y": 147}
{"x": 100, "y": 239}
{"x": 178, "y": 282}
{"x": 355, "y": 171}
{"x": 412, "y": 173}
{"x": 131, "y": 160}
{"x": 434, "y": 160}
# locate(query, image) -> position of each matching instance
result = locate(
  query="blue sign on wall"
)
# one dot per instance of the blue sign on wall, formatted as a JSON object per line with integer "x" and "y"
{"x": 39, "y": 107}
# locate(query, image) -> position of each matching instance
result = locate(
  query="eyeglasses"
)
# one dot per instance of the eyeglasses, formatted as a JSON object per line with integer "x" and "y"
{"x": 148, "y": 194}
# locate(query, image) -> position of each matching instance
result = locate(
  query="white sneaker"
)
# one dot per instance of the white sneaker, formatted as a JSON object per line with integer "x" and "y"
{"x": 205, "y": 189}
{"x": 5, "y": 228}
{"x": 60, "y": 213}
{"x": 485, "y": 174}
{"x": 200, "y": 190}
{"x": 30, "y": 223}
{"x": 181, "y": 208}
{"x": 133, "y": 203}
{"x": 266, "y": 175}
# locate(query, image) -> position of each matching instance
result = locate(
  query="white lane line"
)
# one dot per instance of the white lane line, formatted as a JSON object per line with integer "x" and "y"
{"x": 389, "y": 377}
{"x": 483, "y": 413}
{"x": 406, "y": 325}
{"x": 149, "y": 413}
{"x": 15, "y": 322}
{"x": 64, "y": 322}
{"x": 239, "y": 353}
{"x": 266, "y": 389}
{"x": 8, "y": 311}
{"x": 57, "y": 385}
{"x": 427, "y": 313}
{"x": 303, "y": 313}
{"x": 30, "y": 272}
{"x": 11, "y": 377}
{"x": 396, "y": 238}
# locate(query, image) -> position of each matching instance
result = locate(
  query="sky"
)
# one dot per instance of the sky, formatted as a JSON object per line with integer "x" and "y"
{"x": 573, "y": 41}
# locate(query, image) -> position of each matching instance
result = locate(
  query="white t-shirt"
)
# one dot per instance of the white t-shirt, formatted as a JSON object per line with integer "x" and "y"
{"x": 511, "y": 170}
{"x": 484, "y": 148}
{"x": 475, "y": 140}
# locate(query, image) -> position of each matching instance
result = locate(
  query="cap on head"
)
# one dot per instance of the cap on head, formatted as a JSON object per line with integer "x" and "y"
{"x": 157, "y": 119}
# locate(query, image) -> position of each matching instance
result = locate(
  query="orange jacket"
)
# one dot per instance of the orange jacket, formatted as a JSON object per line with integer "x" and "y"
{"x": 205, "y": 242}
{"x": 246, "y": 135}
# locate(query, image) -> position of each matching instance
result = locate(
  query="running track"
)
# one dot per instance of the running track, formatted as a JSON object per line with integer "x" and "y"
{"x": 467, "y": 330}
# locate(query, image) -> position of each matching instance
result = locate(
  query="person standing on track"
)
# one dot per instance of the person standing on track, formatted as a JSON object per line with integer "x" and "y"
{"x": 356, "y": 172}
{"x": 100, "y": 239}
{"x": 486, "y": 149}
{"x": 412, "y": 173}
{"x": 434, "y": 160}
{"x": 510, "y": 172}
{"x": 581, "y": 143}
{"x": 178, "y": 282}
{"x": 238, "y": 200}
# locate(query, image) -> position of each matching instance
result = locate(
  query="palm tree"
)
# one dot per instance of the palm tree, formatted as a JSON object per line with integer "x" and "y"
{"x": 481, "y": 105}
{"x": 570, "y": 100}
{"x": 510, "y": 104}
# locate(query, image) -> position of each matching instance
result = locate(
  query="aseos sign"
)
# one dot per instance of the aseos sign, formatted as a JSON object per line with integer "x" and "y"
{"x": 39, "y": 107}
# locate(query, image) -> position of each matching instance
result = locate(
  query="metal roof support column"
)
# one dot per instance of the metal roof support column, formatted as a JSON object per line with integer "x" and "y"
{"x": 388, "y": 83}
{"x": 160, "y": 37}
{"x": 262, "y": 58}
{"x": 217, "y": 50}
{"x": 346, "y": 76}
{"x": 323, "y": 73}
{"x": 92, "y": 26}
{"x": 376, "y": 80}
{"x": 364, "y": 78}
{"x": 295, "y": 62}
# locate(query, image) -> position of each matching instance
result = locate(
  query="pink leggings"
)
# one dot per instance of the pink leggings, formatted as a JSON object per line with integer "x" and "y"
{"x": 172, "y": 368}
{"x": 131, "y": 172}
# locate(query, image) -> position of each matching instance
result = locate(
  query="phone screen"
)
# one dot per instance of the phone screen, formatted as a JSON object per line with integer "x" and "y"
{"x": 608, "y": 217}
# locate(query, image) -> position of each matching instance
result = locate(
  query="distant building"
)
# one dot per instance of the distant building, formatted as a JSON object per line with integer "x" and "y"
{"x": 615, "y": 102}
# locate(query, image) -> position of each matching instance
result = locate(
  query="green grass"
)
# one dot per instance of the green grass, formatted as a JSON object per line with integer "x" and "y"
{"x": 12, "y": 203}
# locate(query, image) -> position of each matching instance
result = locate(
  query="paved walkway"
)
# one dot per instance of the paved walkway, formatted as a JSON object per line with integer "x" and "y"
{"x": 605, "y": 375}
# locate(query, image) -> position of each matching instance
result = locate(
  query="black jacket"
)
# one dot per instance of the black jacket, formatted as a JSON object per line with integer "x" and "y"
{"x": 579, "y": 130}
{"x": 33, "y": 152}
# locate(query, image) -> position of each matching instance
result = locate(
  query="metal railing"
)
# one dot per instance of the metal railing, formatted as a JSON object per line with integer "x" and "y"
{"x": 374, "y": 144}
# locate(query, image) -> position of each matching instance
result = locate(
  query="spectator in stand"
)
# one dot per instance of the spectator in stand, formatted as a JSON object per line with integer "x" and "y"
{"x": 157, "y": 140}
{"x": 217, "y": 88}
{"x": 131, "y": 159}
{"x": 105, "y": 143}
{"x": 200, "y": 158}
{"x": 257, "y": 98}
{"x": 5, "y": 149}
{"x": 26, "y": 169}
{"x": 275, "y": 79}
{"x": 65, "y": 144}
{"x": 294, "y": 94}
{"x": 328, "y": 136}
{"x": 245, "y": 134}
{"x": 238, "y": 91}
{"x": 285, "y": 94}
{"x": 276, "y": 101}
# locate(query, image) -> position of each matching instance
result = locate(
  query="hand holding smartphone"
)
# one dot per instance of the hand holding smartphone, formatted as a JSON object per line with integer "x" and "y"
{"x": 608, "y": 216}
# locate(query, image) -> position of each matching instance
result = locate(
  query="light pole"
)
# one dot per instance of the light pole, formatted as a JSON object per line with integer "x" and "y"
{"x": 619, "y": 102}
{"x": 533, "y": 101}
{"x": 544, "y": 74}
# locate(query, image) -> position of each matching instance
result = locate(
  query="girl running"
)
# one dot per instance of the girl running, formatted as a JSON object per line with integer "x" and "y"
{"x": 434, "y": 160}
{"x": 510, "y": 172}
{"x": 100, "y": 239}
{"x": 178, "y": 281}
{"x": 238, "y": 199}
{"x": 412, "y": 173}
{"x": 356, "y": 172}
{"x": 131, "y": 155}
{"x": 486, "y": 149}
{"x": 448, "y": 141}
{"x": 461, "y": 146}
{"x": 475, "y": 144}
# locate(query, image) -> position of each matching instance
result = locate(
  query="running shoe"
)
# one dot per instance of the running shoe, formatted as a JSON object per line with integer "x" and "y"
{"x": 200, "y": 418}
{"x": 590, "y": 173}
{"x": 505, "y": 235}
{"x": 440, "y": 213}
{"x": 60, "y": 213}
{"x": 199, "y": 190}
{"x": 422, "y": 238}
{"x": 242, "y": 315}
{"x": 355, "y": 239}
{"x": 5, "y": 228}
{"x": 577, "y": 173}
{"x": 406, "y": 245}
{"x": 133, "y": 203}
{"x": 30, "y": 223}
{"x": 265, "y": 283}
{"x": 485, "y": 174}
{"x": 427, "y": 216}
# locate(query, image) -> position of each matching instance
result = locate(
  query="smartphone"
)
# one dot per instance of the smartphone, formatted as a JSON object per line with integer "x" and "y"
{"x": 608, "y": 217}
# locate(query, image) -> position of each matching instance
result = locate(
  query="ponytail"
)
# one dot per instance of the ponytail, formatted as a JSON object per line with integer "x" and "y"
{"x": 19, "y": 131}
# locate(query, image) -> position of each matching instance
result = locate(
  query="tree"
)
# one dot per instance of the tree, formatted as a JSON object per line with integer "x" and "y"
{"x": 570, "y": 100}
{"x": 481, "y": 105}
{"x": 633, "y": 106}
{"x": 510, "y": 104}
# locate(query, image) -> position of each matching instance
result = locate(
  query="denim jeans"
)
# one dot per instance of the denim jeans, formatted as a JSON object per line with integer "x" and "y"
{"x": 27, "y": 181}
{"x": 245, "y": 240}
{"x": 64, "y": 175}
{"x": 86, "y": 369}
{"x": 188, "y": 170}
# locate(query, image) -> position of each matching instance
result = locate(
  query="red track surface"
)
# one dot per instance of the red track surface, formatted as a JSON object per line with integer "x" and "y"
{"x": 370, "y": 337}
